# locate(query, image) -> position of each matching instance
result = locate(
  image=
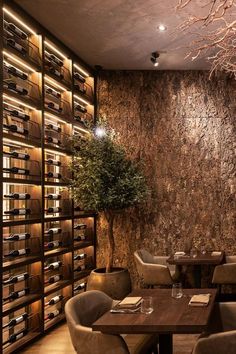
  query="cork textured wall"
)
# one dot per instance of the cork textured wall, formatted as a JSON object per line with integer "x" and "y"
{"x": 183, "y": 128}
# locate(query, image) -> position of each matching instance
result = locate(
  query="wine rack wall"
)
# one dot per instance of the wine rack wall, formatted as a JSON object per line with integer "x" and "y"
{"x": 48, "y": 243}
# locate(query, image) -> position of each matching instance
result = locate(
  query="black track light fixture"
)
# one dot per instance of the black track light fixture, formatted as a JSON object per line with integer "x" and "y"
{"x": 154, "y": 57}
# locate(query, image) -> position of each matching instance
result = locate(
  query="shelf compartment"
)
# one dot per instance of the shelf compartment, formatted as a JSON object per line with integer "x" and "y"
{"x": 55, "y": 287}
{"x": 56, "y": 252}
{"x": 20, "y": 262}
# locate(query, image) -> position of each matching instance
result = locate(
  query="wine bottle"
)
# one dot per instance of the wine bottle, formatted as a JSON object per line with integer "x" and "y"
{"x": 54, "y": 106}
{"x": 18, "y": 114}
{"x": 53, "y": 210}
{"x": 53, "y": 266}
{"x": 53, "y": 279}
{"x": 54, "y": 127}
{"x": 12, "y": 43}
{"x": 53, "y": 175}
{"x": 53, "y": 162}
{"x": 80, "y": 238}
{"x": 79, "y": 286}
{"x": 80, "y": 256}
{"x": 15, "y": 129}
{"x": 53, "y": 93}
{"x": 52, "y": 315}
{"x": 16, "y": 253}
{"x": 16, "y": 336}
{"x": 17, "y": 237}
{"x": 53, "y": 231}
{"x": 80, "y": 268}
{"x": 53, "y": 196}
{"x": 80, "y": 227}
{"x": 16, "y": 294}
{"x": 79, "y": 77}
{"x": 16, "y": 170}
{"x": 56, "y": 72}
{"x": 17, "y": 155}
{"x": 52, "y": 140}
{"x": 18, "y": 211}
{"x": 80, "y": 108}
{"x": 16, "y": 278}
{"x": 15, "y": 72}
{"x": 53, "y": 244}
{"x": 82, "y": 89}
{"x": 15, "y": 321}
{"x": 54, "y": 300}
{"x": 16, "y": 88}
{"x": 54, "y": 58}
{"x": 14, "y": 29}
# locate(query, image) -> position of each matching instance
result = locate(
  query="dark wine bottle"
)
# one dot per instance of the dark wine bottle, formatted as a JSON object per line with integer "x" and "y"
{"x": 54, "y": 300}
{"x": 15, "y": 129}
{"x": 17, "y": 155}
{"x": 53, "y": 175}
{"x": 16, "y": 294}
{"x": 80, "y": 227}
{"x": 12, "y": 43}
{"x": 18, "y": 196}
{"x": 79, "y": 77}
{"x": 16, "y": 278}
{"x": 53, "y": 93}
{"x": 80, "y": 286}
{"x": 16, "y": 336}
{"x": 80, "y": 238}
{"x": 15, "y": 72}
{"x": 16, "y": 170}
{"x": 17, "y": 237}
{"x": 18, "y": 211}
{"x": 53, "y": 266}
{"x": 80, "y": 88}
{"x": 53, "y": 244}
{"x": 53, "y": 279}
{"x": 15, "y": 321}
{"x": 53, "y": 162}
{"x": 15, "y": 87}
{"x": 53, "y": 127}
{"x": 53, "y": 196}
{"x": 56, "y": 107}
{"x": 14, "y": 29}
{"x": 80, "y": 268}
{"x": 52, "y": 140}
{"x": 80, "y": 256}
{"x": 56, "y": 72}
{"x": 52, "y": 315}
{"x": 17, "y": 253}
{"x": 53, "y": 231}
{"x": 54, "y": 59}
{"x": 80, "y": 108}
{"x": 53, "y": 210}
{"x": 18, "y": 114}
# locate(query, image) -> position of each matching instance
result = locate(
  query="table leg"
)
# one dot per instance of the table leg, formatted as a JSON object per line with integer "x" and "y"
{"x": 165, "y": 344}
{"x": 197, "y": 273}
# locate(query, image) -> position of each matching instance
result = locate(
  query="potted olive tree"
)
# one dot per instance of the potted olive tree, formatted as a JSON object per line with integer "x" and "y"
{"x": 106, "y": 180}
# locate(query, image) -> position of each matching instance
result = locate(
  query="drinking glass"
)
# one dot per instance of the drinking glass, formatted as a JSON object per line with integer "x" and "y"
{"x": 147, "y": 305}
{"x": 177, "y": 291}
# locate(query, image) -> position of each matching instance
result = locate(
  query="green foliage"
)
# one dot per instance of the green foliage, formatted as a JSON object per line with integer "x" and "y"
{"x": 104, "y": 178}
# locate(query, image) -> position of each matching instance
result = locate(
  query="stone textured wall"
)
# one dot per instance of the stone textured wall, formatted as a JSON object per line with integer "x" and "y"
{"x": 183, "y": 128}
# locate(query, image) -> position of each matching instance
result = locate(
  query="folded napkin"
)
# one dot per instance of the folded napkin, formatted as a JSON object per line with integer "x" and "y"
{"x": 216, "y": 253}
{"x": 130, "y": 302}
{"x": 200, "y": 300}
{"x": 179, "y": 253}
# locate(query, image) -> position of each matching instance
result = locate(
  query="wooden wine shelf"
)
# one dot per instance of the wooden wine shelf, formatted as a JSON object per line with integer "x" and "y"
{"x": 41, "y": 126}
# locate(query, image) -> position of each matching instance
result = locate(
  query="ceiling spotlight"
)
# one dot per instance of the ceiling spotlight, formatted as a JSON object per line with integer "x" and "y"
{"x": 162, "y": 28}
{"x": 154, "y": 57}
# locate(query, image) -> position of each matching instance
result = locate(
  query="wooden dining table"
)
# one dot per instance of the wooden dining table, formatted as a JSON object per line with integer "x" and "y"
{"x": 170, "y": 316}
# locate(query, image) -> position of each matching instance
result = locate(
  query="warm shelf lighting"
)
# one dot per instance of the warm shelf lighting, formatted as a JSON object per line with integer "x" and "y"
{"x": 55, "y": 49}
{"x": 22, "y": 184}
{"x": 19, "y": 102}
{"x": 13, "y": 106}
{"x": 19, "y": 21}
{"x": 55, "y": 84}
{"x": 81, "y": 70}
{"x": 82, "y": 100}
{"x": 15, "y": 143}
{"x": 55, "y": 152}
{"x": 51, "y": 88}
{"x": 55, "y": 117}
{"x": 82, "y": 129}
{"x": 6, "y": 62}
{"x": 19, "y": 61}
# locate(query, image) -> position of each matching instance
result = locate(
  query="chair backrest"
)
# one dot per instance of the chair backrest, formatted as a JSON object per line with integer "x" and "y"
{"x": 144, "y": 256}
{"x": 230, "y": 259}
{"x": 81, "y": 311}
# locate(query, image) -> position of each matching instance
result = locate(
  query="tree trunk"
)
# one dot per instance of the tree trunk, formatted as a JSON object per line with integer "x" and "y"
{"x": 109, "y": 215}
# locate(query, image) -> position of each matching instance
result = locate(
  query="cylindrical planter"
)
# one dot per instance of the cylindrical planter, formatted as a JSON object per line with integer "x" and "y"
{"x": 116, "y": 284}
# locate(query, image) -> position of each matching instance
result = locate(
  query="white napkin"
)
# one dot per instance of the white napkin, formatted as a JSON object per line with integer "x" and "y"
{"x": 179, "y": 253}
{"x": 200, "y": 300}
{"x": 216, "y": 253}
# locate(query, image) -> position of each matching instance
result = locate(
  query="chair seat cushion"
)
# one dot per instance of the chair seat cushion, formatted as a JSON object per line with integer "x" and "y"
{"x": 140, "y": 343}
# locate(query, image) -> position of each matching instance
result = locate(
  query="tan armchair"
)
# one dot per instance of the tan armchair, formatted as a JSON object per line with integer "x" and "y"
{"x": 225, "y": 273}
{"x": 84, "y": 309}
{"x": 223, "y": 342}
{"x": 153, "y": 270}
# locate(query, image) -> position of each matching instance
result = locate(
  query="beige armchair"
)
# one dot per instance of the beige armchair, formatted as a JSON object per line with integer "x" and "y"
{"x": 223, "y": 342}
{"x": 84, "y": 309}
{"x": 153, "y": 270}
{"x": 225, "y": 273}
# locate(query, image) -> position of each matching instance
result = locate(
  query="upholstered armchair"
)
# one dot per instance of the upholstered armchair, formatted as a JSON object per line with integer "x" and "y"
{"x": 84, "y": 309}
{"x": 153, "y": 270}
{"x": 225, "y": 273}
{"x": 224, "y": 341}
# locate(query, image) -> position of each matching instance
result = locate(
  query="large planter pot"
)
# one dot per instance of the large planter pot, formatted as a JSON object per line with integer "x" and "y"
{"x": 116, "y": 284}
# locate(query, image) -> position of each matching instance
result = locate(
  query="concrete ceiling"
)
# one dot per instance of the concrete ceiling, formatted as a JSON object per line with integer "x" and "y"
{"x": 118, "y": 34}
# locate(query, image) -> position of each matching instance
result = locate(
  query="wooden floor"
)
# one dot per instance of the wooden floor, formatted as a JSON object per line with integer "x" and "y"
{"x": 58, "y": 342}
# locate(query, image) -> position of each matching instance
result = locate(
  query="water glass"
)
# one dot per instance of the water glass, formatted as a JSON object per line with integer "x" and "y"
{"x": 147, "y": 305}
{"x": 177, "y": 291}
